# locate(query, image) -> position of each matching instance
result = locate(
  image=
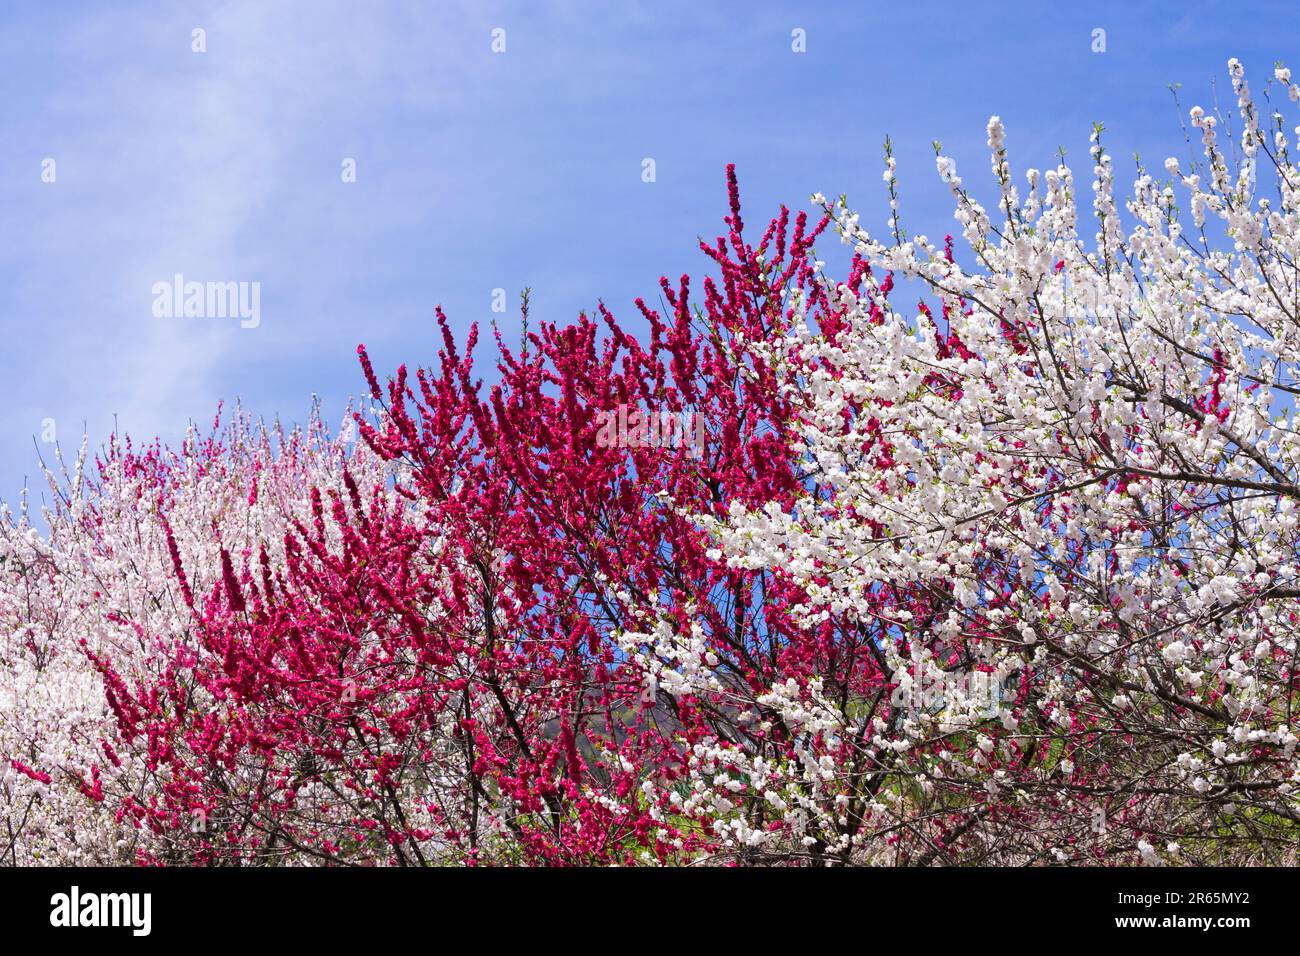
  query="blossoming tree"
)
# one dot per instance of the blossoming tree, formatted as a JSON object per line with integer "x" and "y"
{"x": 93, "y": 610}
{"x": 1084, "y": 454}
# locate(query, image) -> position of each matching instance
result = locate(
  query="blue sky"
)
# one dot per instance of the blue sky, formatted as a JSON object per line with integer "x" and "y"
{"x": 479, "y": 170}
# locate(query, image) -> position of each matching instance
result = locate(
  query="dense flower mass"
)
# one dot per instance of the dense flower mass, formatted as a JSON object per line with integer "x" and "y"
{"x": 788, "y": 576}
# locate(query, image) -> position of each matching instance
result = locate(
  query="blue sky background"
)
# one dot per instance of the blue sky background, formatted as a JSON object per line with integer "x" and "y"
{"x": 479, "y": 170}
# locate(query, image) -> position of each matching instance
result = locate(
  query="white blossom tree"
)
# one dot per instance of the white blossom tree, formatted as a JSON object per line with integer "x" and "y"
{"x": 1082, "y": 462}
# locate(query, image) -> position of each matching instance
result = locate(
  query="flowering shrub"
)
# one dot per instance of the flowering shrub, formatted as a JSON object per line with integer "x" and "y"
{"x": 1009, "y": 581}
{"x": 93, "y": 610}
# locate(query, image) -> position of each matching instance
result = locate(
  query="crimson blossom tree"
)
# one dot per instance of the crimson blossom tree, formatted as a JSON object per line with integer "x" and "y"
{"x": 444, "y": 671}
